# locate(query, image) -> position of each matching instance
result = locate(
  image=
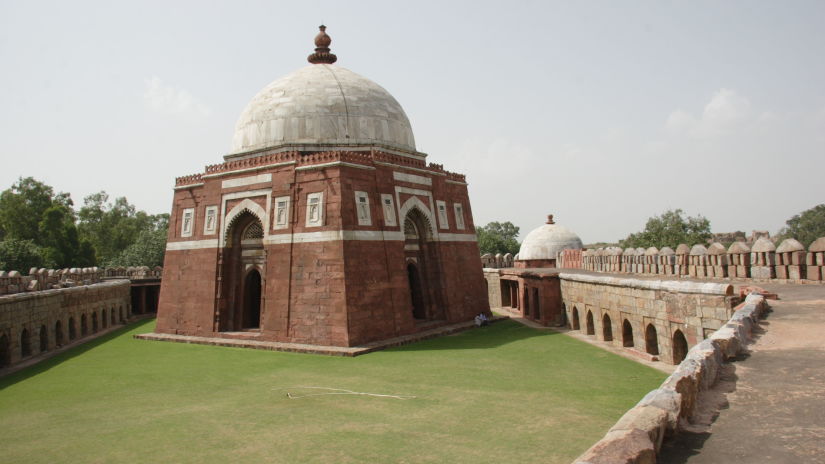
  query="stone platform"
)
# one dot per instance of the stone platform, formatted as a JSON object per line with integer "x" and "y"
{"x": 316, "y": 349}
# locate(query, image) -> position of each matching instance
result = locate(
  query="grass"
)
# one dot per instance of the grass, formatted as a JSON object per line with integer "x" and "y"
{"x": 504, "y": 393}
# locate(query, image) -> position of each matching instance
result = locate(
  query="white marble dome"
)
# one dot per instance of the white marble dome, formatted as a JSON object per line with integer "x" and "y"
{"x": 547, "y": 241}
{"x": 322, "y": 104}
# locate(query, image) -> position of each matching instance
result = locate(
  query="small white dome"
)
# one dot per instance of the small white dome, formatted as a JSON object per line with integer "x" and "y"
{"x": 546, "y": 241}
{"x": 322, "y": 104}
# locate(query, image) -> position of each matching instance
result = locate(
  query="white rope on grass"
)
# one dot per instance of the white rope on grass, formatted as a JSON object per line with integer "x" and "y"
{"x": 341, "y": 391}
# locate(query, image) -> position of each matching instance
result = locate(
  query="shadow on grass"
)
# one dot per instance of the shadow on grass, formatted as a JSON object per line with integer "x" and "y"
{"x": 492, "y": 336}
{"x": 72, "y": 352}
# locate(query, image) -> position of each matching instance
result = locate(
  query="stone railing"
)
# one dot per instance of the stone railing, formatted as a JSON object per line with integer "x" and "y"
{"x": 637, "y": 436}
{"x": 13, "y": 282}
{"x": 497, "y": 261}
{"x": 762, "y": 261}
{"x": 136, "y": 272}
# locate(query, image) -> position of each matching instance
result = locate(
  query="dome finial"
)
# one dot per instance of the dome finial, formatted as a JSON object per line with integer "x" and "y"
{"x": 322, "y": 54}
{"x": 550, "y": 219}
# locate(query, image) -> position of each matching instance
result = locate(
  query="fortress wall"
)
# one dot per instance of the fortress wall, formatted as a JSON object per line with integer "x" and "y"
{"x": 39, "y": 321}
{"x": 638, "y": 435}
{"x": 653, "y": 309}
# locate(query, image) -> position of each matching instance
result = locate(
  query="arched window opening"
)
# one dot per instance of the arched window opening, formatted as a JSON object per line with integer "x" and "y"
{"x": 25, "y": 344}
{"x": 575, "y": 324}
{"x": 651, "y": 340}
{"x": 627, "y": 334}
{"x": 680, "y": 347}
{"x": 72, "y": 329}
{"x": 104, "y": 318}
{"x": 112, "y": 316}
{"x": 5, "y": 351}
{"x": 84, "y": 326}
{"x": 58, "y": 334}
{"x": 419, "y": 311}
{"x": 94, "y": 322}
{"x": 252, "y": 300}
{"x": 591, "y": 330}
{"x": 44, "y": 339}
{"x": 607, "y": 328}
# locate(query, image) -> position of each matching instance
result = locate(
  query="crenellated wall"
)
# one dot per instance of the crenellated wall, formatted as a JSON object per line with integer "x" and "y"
{"x": 763, "y": 261}
{"x": 35, "y": 322}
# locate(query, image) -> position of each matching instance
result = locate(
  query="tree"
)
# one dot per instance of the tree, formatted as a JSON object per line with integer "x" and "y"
{"x": 806, "y": 226}
{"x": 20, "y": 255}
{"x": 147, "y": 250}
{"x": 498, "y": 237}
{"x": 670, "y": 229}
{"x": 22, "y": 207}
{"x": 113, "y": 227}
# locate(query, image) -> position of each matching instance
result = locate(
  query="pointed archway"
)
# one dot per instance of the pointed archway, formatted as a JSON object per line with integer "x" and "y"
{"x": 5, "y": 351}
{"x": 574, "y": 323}
{"x": 252, "y": 300}
{"x": 651, "y": 340}
{"x": 241, "y": 301}
{"x": 680, "y": 346}
{"x": 591, "y": 329}
{"x": 416, "y": 295}
{"x": 627, "y": 334}
{"x": 422, "y": 264}
{"x": 607, "y": 328}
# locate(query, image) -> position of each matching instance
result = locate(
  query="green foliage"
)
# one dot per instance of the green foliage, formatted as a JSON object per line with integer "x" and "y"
{"x": 112, "y": 227}
{"x": 147, "y": 250}
{"x": 20, "y": 255}
{"x": 806, "y": 226}
{"x": 515, "y": 385}
{"x": 22, "y": 207}
{"x": 498, "y": 237}
{"x": 670, "y": 229}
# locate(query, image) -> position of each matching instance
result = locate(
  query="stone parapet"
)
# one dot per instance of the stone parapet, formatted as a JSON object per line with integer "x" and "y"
{"x": 762, "y": 261}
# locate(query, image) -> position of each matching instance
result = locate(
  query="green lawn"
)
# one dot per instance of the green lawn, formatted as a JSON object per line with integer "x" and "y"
{"x": 500, "y": 394}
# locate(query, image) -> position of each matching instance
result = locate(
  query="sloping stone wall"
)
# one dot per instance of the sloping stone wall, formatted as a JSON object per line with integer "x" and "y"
{"x": 637, "y": 436}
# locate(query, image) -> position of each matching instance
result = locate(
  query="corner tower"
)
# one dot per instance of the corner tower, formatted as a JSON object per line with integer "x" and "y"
{"x": 324, "y": 225}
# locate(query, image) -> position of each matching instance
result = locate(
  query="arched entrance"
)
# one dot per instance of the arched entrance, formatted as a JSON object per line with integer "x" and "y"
{"x": 25, "y": 344}
{"x": 607, "y": 328}
{"x": 84, "y": 326}
{"x": 72, "y": 329}
{"x": 536, "y": 305}
{"x": 252, "y": 300}
{"x": 419, "y": 312}
{"x": 591, "y": 330}
{"x": 422, "y": 263}
{"x": 627, "y": 334}
{"x": 241, "y": 300}
{"x": 58, "y": 334}
{"x": 575, "y": 322}
{"x": 5, "y": 352}
{"x": 94, "y": 322}
{"x": 680, "y": 347}
{"x": 44, "y": 338}
{"x": 651, "y": 340}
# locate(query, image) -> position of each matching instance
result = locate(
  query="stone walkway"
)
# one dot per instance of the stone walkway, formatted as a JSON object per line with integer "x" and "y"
{"x": 774, "y": 410}
{"x": 315, "y": 349}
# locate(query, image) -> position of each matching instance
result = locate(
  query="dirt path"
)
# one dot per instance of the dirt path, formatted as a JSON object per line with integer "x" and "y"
{"x": 775, "y": 408}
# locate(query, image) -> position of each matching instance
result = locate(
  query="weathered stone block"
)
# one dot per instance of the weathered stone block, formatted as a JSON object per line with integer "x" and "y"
{"x": 621, "y": 446}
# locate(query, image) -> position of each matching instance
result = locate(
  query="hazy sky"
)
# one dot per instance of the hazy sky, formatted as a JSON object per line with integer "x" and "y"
{"x": 603, "y": 113}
